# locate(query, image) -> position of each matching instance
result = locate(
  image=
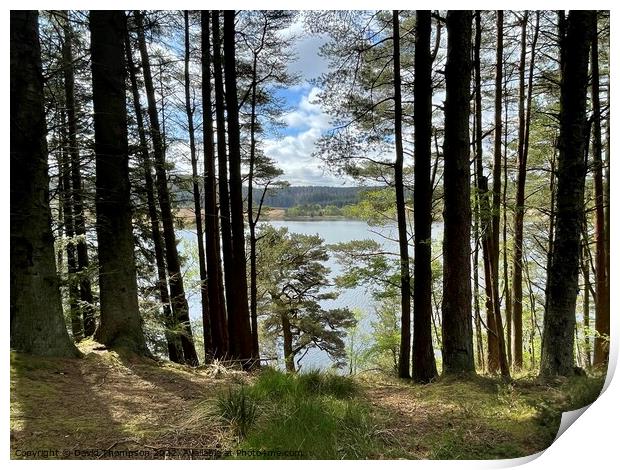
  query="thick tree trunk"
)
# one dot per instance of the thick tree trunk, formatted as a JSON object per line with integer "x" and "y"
{"x": 120, "y": 318}
{"x": 404, "y": 364}
{"x": 215, "y": 286}
{"x": 227, "y": 248}
{"x": 558, "y": 335}
{"x": 189, "y": 110}
{"x": 37, "y": 324}
{"x": 85, "y": 290}
{"x": 601, "y": 341}
{"x": 424, "y": 367}
{"x": 175, "y": 351}
{"x": 177, "y": 290}
{"x": 458, "y": 354}
{"x": 241, "y": 313}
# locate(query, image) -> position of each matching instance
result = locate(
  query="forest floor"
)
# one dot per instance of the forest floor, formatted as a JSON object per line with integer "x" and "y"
{"x": 111, "y": 405}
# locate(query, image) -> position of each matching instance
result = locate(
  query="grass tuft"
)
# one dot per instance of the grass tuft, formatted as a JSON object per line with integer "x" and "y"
{"x": 238, "y": 409}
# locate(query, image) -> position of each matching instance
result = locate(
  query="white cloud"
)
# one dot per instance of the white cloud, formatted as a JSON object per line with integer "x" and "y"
{"x": 309, "y": 64}
{"x": 293, "y": 152}
{"x": 308, "y": 113}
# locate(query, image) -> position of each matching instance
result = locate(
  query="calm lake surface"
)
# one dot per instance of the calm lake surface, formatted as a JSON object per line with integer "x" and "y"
{"x": 331, "y": 231}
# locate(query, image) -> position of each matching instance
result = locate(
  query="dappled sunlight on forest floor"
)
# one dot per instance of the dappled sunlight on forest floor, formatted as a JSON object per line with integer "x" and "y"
{"x": 113, "y": 402}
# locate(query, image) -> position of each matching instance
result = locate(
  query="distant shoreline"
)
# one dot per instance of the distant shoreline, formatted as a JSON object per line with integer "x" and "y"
{"x": 273, "y": 214}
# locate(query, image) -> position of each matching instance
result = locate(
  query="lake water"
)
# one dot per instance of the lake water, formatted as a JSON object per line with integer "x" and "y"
{"x": 331, "y": 232}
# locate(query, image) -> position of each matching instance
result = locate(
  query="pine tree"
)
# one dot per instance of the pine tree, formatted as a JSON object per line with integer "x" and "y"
{"x": 37, "y": 324}
{"x": 457, "y": 331}
{"x": 562, "y": 278}
{"x": 120, "y": 318}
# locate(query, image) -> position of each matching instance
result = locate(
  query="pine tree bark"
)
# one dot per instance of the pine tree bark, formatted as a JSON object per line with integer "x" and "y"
{"x": 77, "y": 329}
{"x": 287, "y": 343}
{"x": 497, "y": 142}
{"x": 404, "y": 363}
{"x": 251, "y": 221}
{"x": 224, "y": 194}
{"x": 175, "y": 351}
{"x": 457, "y": 331}
{"x": 215, "y": 286}
{"x": 525, "y": 104}
{"x": 496, "y": 346}
{"x": 175, "y": 278}
{"x": 85, "y": 290}
{"x": 507, "y": 290}
{"x": 424, "y": 367}
{"x": 562, "y": 281}
{"x": 37, "y": 323}
{"x": 189, "y": 110}
{"x": 601, "y": 342}
{"x": 482, "y": 198}
{"x": 241, "y": 313}
{"x": 585, "y": 268}
{"x": 120, "y": 318}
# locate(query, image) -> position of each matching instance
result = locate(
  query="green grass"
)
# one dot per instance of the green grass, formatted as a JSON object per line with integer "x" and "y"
{"x": 103, "y": 399}
{"x": 326, "y": 416}
{"x": 317, "y": 415}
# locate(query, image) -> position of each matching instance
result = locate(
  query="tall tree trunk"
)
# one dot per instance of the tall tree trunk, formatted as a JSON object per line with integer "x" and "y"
{"x": 585, "y": 268}
{"x": 601, "y": 342}
{"x": 508, "y": 300}
{"x": 424, "y": 367}
{"x": 482, "y": 198}
{"x": 497, "y": 172}
{"x": 77, "y": 329}
{"x": 478, "y": 319}
{"x": 496, "y": 346}
{"x": 215, "y": 286}
{"x": 241, "y": 313}
{"x": 189, "y": 110}
{"x": 85, "y": 290}
{"x": 175, "y": 351}
{"x": 559, "y": 325}
{"x": 551, "y": 230}
{"x": 287, "y": 343}
{"x": 497, "y": 134}
{"x": 517, "y": 259}
{"x": 458, "y": 355}
{"x": 227, "y": 249}
{"x": 37, "y": 323}
{"x": 401, "y": 216}
{"x": 177, "y": 290}
{"x": 525, "y": 108}
{"x": 251, "y": 221}
{"x": 120, "y": 318}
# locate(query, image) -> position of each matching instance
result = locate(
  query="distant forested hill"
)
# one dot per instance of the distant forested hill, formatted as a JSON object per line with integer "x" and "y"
{"x": 322, "y": 195}
{"x": 284, "y": 197}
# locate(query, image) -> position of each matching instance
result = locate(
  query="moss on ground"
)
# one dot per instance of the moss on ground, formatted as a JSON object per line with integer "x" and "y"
{"x": 114, "y": 400}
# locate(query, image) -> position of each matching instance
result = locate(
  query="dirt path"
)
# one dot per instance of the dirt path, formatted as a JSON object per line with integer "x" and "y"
{"x": 108, "y": 402}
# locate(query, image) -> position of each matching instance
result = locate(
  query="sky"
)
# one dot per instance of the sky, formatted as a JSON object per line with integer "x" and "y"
{"x": 306, "y": 121}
